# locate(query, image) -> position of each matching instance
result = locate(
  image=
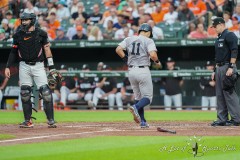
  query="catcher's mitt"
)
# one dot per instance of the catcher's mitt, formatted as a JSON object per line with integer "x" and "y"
{"x": 54, "y": 78}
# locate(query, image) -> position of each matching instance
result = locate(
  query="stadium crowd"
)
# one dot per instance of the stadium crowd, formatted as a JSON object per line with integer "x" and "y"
{"x": 116, "y": 19}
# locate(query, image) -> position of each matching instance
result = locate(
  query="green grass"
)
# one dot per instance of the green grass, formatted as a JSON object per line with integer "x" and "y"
{"x": 6, "y": 136}
{"x": 7, "y": 117}
{"x": 122, "y": 148}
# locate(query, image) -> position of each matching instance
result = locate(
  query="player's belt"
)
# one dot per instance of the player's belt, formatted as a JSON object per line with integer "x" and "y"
{"x": 30, "y": 63}
{"x": 131, "y": 66}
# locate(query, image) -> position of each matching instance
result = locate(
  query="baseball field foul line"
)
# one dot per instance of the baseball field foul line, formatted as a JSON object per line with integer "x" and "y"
{"x": 57, "y": 135}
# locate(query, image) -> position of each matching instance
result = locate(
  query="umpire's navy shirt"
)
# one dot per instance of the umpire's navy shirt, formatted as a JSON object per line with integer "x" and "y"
{"x": 224, "y": 44}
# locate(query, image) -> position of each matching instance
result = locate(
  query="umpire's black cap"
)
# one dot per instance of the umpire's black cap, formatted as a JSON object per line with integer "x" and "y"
{"x": 216, "y": 21}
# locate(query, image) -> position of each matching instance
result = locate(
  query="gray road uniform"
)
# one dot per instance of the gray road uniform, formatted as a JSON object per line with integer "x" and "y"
{"x": 138, "y": 48}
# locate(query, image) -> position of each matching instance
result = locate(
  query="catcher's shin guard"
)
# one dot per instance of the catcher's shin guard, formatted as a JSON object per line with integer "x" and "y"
{"x": 46, "y": 94}
{"x": 26, "y": 101}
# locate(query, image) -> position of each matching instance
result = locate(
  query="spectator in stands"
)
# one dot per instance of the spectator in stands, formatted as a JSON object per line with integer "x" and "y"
{"x": 80, "y": 34}
{"x": 45, "y": 26}
{"x": 200, "y": 33}
{"x": 108, "y": 33}
{"x": 212, "y": 32}
{"x": 63, "y": 12}
{"x": 165, "y": 7}
{"x": 172, "y": 87}
{"x": 121, "y": 22}
{"x": 150, "y": 7}
{"x": 30, "y": 8}
{"x": 156, "y": 31}
{"x": 11, "y": 20}
{"x": 105, "y": 89}
{"x": 4, "y": 7}
{"x": 100, "y": 66}
{"x": 3, "y": 84}
{"x": 123, "y": 33}
{"x": 80, "y": 12}
{"x": 8, "y": 31}
{"x": 235, "y": 27}
{"x": 237, "y": 12}
{"x": 208, "y": 89}
{"x": 125, "y": 94}
{"x": 184, "y": 13}
{"x": 147, "y": 17}
{"x": 54, "y": 24}
{"x": 96, "y": 16}
{"x": 61, "y": 35}
{"x": 198, "y": 7}
{"x": 95, "y": 34}
{"x": 171, "y": 16}
{"x": 192, "y": 27}
{"x": 74, "y": 6}
{"x": 42, "y": 6}
{"x": 227, "y": 19}
{"x": 157, "y": 15}
{"x": 113, "y": 17}
{"x": 211, "y": 6}
{"x": 72, "y": 30}
{"x": 2, "y": 35}
{"x": 51, "y": 7}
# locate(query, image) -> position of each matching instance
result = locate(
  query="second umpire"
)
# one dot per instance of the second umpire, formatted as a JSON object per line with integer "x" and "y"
{"x": 226, "y": 52}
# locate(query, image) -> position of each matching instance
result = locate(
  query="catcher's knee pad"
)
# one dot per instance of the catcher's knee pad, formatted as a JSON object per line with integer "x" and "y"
{"x": 26, "y": 93}
{"x": 46, "y": 93}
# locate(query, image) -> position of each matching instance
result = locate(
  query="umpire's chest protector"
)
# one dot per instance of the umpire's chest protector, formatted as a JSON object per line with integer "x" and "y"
{"x": 30, "y": 46}
{"x": 222, "y": 51}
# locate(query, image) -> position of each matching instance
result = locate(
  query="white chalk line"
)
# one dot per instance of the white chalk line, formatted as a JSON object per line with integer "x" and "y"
{"x": 58, "y": 135}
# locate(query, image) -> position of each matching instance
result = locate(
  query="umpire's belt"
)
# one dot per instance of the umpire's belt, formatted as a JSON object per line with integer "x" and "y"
{"x": 131, "y": 66}
{"x": 31, "y": 63}
{"x": 219, "y": 64}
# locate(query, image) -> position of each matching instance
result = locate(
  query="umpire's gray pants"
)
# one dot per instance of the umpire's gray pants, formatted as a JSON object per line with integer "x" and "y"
{"x": 226, "y": 102}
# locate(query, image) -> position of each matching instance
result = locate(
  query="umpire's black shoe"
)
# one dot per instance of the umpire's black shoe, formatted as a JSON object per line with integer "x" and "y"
{"x": 218, "y": 123}
{"x": 52, "y": 124}
{"x": 26, "y": 124}
{"x": 232, "y": 123}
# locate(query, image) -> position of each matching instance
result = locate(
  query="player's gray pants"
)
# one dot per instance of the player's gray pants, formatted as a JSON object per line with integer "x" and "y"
{"x": 98, "y": 92}
{"x": 209, "y": 101}
{"x": 175, "y": 99}
{"x": 28, "y": 73}
{"x": 141, "y": 82}
{"x": 226, "y": 102}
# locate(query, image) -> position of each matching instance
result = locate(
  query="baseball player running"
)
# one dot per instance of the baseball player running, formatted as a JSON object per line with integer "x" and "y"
{"x": 28, "y": 45}
{"x": 140, "y": 49}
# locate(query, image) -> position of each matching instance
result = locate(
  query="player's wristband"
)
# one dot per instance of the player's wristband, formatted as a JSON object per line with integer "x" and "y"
{"x": 125, "y": 59}
{"x": 50, "y": 63}
{"x": 231, "y": 65}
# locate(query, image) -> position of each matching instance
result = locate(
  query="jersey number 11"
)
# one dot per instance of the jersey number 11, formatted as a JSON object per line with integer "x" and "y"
{"x": 133, "y": 49}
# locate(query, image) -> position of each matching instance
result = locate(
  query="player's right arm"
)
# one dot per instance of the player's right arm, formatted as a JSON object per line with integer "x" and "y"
{"x": 12, "y": 57}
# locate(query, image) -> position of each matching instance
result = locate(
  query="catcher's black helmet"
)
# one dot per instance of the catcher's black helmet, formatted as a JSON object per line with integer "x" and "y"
{"x": 145, "y": 27}
{"x": 30, "y": 16}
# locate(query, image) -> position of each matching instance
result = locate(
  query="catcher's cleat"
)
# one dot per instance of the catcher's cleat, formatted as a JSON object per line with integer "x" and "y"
{"x": 52, "y": 124}
{"x": 144, "y": 125}
{"x": 26, "y": 124}
{"x": 135, "y": 114}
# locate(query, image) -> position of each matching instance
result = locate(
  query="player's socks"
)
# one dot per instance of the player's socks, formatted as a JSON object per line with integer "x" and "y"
{"x": 142, "y": 103}
{"x": 141, "y": 114}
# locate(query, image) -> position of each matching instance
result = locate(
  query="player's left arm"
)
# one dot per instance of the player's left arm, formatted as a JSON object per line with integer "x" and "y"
{"x": 152, "y": 50}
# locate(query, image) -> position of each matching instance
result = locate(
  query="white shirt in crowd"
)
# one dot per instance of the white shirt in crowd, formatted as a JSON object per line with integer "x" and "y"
{"x": 157, "y": 33}
{"x": 63, "y": 12}
{"x": 119, "y": 34}
{"x": 170, "y": 18}
{"x": 114, "y": 19}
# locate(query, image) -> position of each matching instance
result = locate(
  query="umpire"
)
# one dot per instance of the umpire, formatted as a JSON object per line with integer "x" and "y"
{"x": 226, "y": 52}
{"x": 29, "y": 45}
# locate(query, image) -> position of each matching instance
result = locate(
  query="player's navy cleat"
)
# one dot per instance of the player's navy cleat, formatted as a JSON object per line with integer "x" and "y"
{"x": 52, "y": 124}
{"x": 135, "y": 114}
{"x": 26, "y": 124}
{"x": 144, "y": 125}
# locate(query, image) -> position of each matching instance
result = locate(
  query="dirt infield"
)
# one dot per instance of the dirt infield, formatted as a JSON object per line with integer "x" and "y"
{"x": 40, "y": 132}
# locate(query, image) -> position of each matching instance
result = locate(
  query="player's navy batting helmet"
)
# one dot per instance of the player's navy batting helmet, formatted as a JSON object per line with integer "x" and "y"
{"x": 26, "y": 16}
{"x": 145, "y": 27}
